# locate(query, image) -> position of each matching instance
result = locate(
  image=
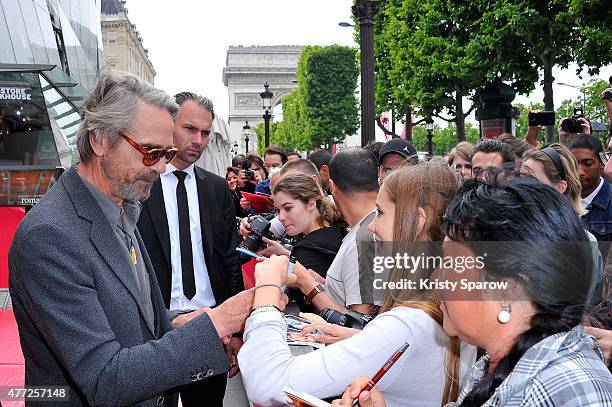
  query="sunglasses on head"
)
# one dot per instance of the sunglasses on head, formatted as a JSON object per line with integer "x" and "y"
{"x": 152, "y": 156}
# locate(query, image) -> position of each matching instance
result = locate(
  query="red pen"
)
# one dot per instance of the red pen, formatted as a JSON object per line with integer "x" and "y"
{"x": 382, "y": 371}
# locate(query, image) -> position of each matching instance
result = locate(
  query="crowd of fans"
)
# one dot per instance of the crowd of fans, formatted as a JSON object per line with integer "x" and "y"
{"x": 544, "y": 349}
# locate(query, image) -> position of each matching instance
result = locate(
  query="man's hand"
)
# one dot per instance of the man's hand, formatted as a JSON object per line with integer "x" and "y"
{"x": 531, "y": 137}
{"x": 608, "y": 102}
{"x": 244, "y": 203}
{"x": 231, "y": 350}
{"x": 182, "y": 319}
{"x": 242, "y": 179}
{"x": 228, "y": 318}
{"x": 245, "y": 226}
{"x": 372, "y": 398}
{"x": 604, "y": 337}
{"x": 329, "y": 333}
{"x": 305, "y": 279}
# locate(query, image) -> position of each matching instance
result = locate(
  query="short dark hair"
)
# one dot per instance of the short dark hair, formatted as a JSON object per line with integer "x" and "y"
{"x": 252, "y": 158}
{"x": 354, "y": 170}
{"x": 202, "y": 101}
{"x": 278, "y": 150}
{"x": 295, "y": 153}
{"x": 492, "y": 145}
{"x": 518, "y": 146}
{"x": 320, "y": 158}
{"x": 588, "y": 142}
{"x": 300, "y": 165}
{"x": 237, "y": 160}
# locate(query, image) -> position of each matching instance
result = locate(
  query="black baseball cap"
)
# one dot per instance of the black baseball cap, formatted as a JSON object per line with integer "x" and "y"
{"x": 398, "y": 146}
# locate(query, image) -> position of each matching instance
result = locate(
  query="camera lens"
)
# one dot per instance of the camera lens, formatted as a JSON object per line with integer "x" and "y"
{"x": 333, "y": 316}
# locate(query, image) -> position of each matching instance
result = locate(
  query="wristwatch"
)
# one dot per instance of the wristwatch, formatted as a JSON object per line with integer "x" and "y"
{"x": 313, "y": 293}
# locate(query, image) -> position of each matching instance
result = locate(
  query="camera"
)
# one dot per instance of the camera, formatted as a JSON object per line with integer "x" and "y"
{"x": 250, "y": 174}
{"x": 541, "y": 118}
{"x": 260, "y": 227}
{"x": 572, "y": 125}
{"x": 607, "y": 95}
{"x": 352, "y": 319}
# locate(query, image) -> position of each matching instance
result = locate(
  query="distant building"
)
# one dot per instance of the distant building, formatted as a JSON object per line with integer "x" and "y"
{"x": 50, "y": 54}
{"x": 123, "y": 49}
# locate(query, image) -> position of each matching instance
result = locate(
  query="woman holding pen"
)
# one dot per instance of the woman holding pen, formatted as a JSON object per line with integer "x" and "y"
{"x": 537, "y": 352}
{"x": 410, "y": 207}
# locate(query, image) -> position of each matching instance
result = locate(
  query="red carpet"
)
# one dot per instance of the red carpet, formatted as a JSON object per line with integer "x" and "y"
{"x": 12, "y": 369}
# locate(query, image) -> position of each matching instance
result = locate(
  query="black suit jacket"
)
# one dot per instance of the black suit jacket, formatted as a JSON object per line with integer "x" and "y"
{"x": 218, "y": 226}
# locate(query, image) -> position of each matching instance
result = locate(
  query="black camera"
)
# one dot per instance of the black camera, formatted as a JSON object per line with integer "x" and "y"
{"x": 250, "y": 174}
{"x": 607, "y": 95}
{"x": 572, "y": 125}
{"x": 260, "y": 227}
{"x": 352, "y": 319}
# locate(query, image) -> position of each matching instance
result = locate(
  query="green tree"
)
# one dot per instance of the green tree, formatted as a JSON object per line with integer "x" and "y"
{"x": 444, "y": 138}
{"x": 260, "y": 132}
{"x": 324, "y": 109}
{"x": 327, "y": 105}
{"x": 544, "y": 34}
{"x": 430, "y": 55}
{"x": 290, "y": 131}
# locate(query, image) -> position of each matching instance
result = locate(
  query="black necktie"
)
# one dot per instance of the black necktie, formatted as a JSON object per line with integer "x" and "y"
{"x": 189, "y": 288}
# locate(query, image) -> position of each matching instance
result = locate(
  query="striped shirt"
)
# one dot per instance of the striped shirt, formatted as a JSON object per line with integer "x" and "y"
{"x": 565, "y": 369}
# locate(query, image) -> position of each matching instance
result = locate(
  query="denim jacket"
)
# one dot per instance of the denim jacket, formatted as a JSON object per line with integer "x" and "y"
{"x": 599, "y": 219}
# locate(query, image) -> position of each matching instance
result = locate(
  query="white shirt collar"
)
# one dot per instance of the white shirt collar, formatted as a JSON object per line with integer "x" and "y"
{"x": 170, "y": 168}
{"x": 587, "y": 200}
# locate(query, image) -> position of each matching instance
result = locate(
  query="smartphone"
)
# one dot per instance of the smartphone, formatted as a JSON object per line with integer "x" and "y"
{"x": 541, "y": 118}
{"x": 248, "y": 252}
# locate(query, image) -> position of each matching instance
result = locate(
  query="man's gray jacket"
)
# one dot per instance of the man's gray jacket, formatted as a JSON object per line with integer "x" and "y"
{"x": 80, "y": 320}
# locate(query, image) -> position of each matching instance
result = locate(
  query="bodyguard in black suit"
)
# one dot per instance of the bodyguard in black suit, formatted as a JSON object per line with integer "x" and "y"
{"x": 188, "y": 226}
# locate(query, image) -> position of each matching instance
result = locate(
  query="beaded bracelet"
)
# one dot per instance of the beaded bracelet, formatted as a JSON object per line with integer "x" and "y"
{"x": 264, "y": 308}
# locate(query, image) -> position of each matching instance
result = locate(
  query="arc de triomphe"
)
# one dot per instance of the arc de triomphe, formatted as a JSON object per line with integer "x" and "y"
{"x": 246, "y": 71}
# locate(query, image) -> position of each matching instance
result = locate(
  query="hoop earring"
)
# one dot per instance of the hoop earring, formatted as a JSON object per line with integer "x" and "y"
{"x": 504, "y": 315}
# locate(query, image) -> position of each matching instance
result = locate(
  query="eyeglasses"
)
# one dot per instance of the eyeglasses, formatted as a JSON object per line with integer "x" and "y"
{"x": 605, "y": 156}
{"x": 152, "y": 156}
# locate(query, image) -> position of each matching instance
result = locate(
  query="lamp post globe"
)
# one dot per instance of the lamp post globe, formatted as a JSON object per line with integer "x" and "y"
{"x": 266, "y": 98}
{"x": 246, "y": 132}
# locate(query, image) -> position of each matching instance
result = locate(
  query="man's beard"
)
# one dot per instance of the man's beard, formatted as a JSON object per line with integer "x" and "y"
{"x": 128, "y": 189}
{"x": 184, "y": 157}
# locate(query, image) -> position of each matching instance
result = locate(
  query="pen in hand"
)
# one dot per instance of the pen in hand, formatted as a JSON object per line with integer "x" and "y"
{"x": 390, "y": 362}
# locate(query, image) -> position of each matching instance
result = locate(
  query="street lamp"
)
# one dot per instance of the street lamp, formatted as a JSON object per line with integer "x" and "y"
{"x": 246, "y": 132}
{"x": 581, "y": 88}
{"x": 365, "y": 10}
{"x": 266, "y": 97}
{"x": 345, "y": 24}
{"x": 429, "y": 125}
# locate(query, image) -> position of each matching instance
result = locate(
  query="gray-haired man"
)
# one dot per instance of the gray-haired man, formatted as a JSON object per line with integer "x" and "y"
{"x": 90, "y": 313}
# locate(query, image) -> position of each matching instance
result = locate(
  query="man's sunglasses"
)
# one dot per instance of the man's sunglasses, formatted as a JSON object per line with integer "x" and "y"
{"x": 152, "y": 156}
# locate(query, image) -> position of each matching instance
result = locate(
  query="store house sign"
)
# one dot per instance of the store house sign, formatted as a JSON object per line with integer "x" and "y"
{"x": 10, "y": 93}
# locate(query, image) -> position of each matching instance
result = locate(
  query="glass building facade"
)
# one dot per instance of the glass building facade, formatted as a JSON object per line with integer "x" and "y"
{"x": 50, "y": 54}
